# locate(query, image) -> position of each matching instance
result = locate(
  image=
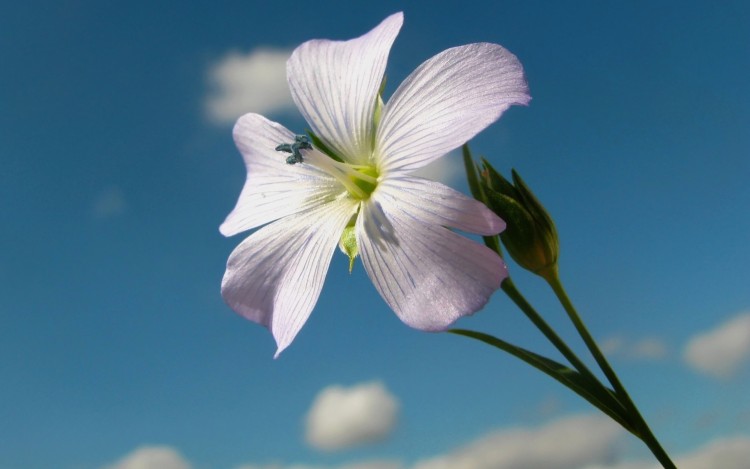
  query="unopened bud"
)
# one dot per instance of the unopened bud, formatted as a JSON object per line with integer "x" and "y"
{"x": 530, "y": 236}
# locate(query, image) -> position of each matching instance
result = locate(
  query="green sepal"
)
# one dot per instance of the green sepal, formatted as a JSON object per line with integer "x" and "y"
{"x": 535, "y": 207}
{"x": 519, "y": 223}
{"x": 382, "y": 85}
{"x": 472, "y": 175}
{"x": 378, "y": 111}
{"x": 376, "y": 114}
{"x": 496, "y": 181}
{"x": 475, "y": 187}
{"x": 322, "y": 147}
{"x": 348, "y": 244}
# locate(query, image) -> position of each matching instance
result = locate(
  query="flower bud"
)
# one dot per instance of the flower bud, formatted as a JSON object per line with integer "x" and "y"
{"x": 530, "y": 236}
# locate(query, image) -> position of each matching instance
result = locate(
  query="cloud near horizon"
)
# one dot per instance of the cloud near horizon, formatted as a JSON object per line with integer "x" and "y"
{"x": 723, "y": 453}
{"x": 568, "y": 443}
{"x": 720, "y": 352}
{"x": 342, "y": 417}
{"x": 580, "y": 441}
{"x": 152, "y": 457}
{"x": 248, "y": 82}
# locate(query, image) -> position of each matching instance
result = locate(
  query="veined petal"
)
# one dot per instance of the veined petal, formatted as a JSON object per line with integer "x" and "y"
{"x": 434, "y": 203}
{"x": 335, "y": 85}
{"x": 273, "y": 189}
{"x": 445, "y": 102}
{"x": 429, "y": 275}
{"x": 275, "y": 276}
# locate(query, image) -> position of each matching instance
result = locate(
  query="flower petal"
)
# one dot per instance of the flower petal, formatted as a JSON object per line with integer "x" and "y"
{"x": 429, "y": 275}
{"x": 335, "y": 86}
{"x": 274, "y": 277}
{"x": 434, "y": 203}
{"x": 445, "y": 102}
{"x": 273, "y": 189}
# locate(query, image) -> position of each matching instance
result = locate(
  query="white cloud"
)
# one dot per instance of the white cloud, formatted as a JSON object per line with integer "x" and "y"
{"x": 152, "y": 457}
{"x": 724, "y": 453}
{"x": 575, "y": 442}
{"x": 612, "y": 345}
{"x": 547, "y": 407}
{"x": 374, "y": 465}
{"x": 252, "y": 82}
{"x": 650, "y": 348}
{"x": 255, "y": 466}
{"x": 343, "y": 417}
{"x": 647, "y": 348}
{"x": 358, "y": 465}
{"x": 720, "y": 352}
{"x": 109, "y": 203}
{"x": 449, "y": 169}
{"x": 627, "y": 465}
{"x": 568, "y": 443}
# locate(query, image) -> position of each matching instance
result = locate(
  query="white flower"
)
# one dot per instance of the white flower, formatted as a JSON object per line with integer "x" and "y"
{"x": 368, "y": 202}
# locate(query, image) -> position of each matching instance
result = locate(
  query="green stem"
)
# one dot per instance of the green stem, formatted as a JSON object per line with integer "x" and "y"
{"x": 593, "y": 392}
{"x": 510, "y": 289}
{"x": 644, "y": 432}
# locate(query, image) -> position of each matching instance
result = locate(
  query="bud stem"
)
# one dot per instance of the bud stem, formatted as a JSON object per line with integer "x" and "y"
{"x": 642, "y": 429}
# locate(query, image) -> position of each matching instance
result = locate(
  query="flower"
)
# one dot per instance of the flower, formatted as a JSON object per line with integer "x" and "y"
{"x": 353, "y": 186}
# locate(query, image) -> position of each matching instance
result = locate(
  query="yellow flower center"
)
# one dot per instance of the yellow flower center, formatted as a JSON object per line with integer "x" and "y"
{"x": 359, "y": 180}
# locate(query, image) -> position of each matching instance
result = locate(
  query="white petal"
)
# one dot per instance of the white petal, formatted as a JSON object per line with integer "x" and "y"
{"x": 433, "y": 203}
{"x": 273, "y": 189}
{"x": 275, "y": 276}
{"x": 335, "y": 85}
{"x": 429, "y": 275}
{"x": 445, "y": 102}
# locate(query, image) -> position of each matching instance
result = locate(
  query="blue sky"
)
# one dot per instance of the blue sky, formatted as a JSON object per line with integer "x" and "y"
{"x": 118, "y": 166}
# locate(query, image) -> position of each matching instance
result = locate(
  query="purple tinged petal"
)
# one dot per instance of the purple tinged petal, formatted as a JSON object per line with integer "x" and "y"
{"x": 335, "y": 85}
{"x": 429, "y": 275}
{"x": 445, "y": 102}
{"x": 273, "y": 189}
{"x": 274, "y": 277}
{"x": 434, "y": 203}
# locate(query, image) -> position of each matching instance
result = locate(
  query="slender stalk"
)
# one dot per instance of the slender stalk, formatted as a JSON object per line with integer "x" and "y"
{"x": 644, "y": 432}
{"x": 562, "y": 374}
{"x": 510, "y": 289}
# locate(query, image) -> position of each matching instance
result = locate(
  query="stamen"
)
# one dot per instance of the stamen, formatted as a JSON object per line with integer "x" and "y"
{"x": 301, "y": 142}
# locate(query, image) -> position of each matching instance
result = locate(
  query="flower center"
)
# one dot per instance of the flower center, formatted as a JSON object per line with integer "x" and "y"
{"x": 359, "y": 180}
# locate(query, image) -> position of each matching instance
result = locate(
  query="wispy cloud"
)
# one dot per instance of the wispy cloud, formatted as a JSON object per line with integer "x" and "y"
{"x": 356, "y": 465}
{"x": 568, "y": 443}
{"x": 374, "y": 465}
{"x": 251, "y": 82}
{"x": 724, "y": 453}
{"x": 152, "y": 457}
{"x": 646, "y": 348}
{"x": 574, "y": 442}
{"x": 343, "y": 417}
{"x": 109, "y": 203}
{"x": 721, "y": 351}
{"x": 449, "y": 169}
